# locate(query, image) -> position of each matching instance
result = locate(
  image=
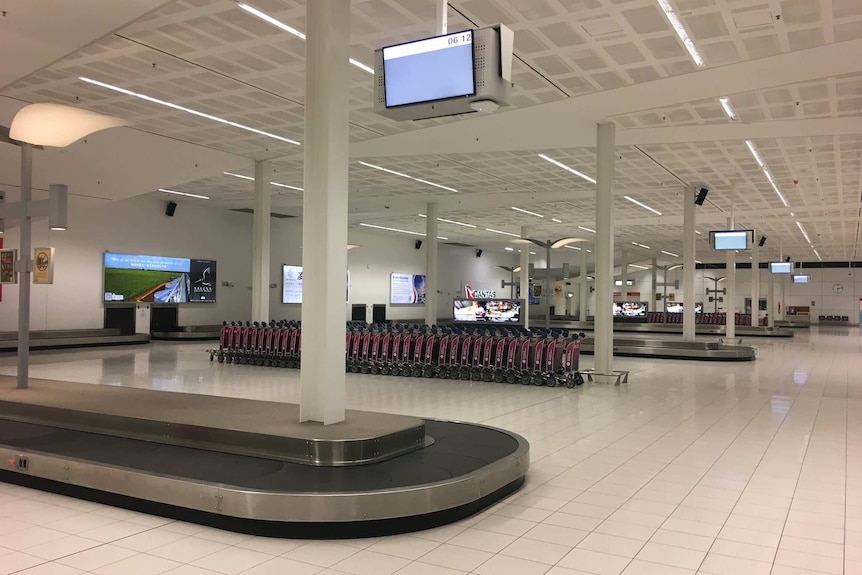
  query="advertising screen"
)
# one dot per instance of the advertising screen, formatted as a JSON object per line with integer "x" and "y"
{"x": 431, "y": 69}
{"x": 488, "y": 310}
{"x": 781, "y": 267}
{"x": 678, "y": 307}
{"x": 732, "y": 239}
{"x": 406, "y": 288}
{"x": 291, "y": 284}
{"x": 801, "y": 278}
{"x": 158, "y": 279}
{"x": 633, "y": 309}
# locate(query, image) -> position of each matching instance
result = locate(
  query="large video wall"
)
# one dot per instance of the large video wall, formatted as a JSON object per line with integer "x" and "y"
{"x": 158, "y": 279}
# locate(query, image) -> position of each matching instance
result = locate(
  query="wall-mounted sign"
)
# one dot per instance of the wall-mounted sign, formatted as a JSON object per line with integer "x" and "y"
{"x": 7, "y": 266}
{"x": 406, "y": 289}
{"x": 291, "y": 284}
{"x": 471, "y": 293}
{"x": 158, "y": 279}
{"x": 43, "y": 266}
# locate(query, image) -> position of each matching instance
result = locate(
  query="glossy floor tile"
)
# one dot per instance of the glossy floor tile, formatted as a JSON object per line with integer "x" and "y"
{"x": 694, "y": 467}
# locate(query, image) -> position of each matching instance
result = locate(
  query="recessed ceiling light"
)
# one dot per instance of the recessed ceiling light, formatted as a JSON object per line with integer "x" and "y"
{"x": 291, "y": 30}
{"x": 445, "y": 221}
{"x": 680, "y": 30}
{"x": 670, "y": 254}
{"x": 501, "y": 232}
{"x": 184, "y": 194}
{"x": 508, "y": 249}
{"x": 567, "y": 168}
{"x": 398, "y": 230}
{"x": 728, "y": 109}
{"x": 394, "y": 173}
{"x": 188, "y": 110}
{"x": 644, "y": 206}
{"x": 280, "y": 185}
{"x": 556, "y": 220}
{"x": 586, "y": 229}
{"x": 523, "y": 211}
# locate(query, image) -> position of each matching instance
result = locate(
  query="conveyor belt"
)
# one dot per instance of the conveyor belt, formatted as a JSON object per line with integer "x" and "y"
{"x": 748, "y": 331}
{"x": 76, "y": 341}
{"x": 676, "y": 349}
{"x": 465, "y": 469}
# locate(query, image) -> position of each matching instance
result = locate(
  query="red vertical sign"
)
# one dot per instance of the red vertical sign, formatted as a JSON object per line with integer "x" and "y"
{"x": 1, "y": 285}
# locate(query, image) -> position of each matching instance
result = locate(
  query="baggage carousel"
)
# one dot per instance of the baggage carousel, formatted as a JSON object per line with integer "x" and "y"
{"x": 249, "y": 466}
{"x": 676, "y": 349}
{"x": 57, "y": 339}
{"x": 741, "y": 330}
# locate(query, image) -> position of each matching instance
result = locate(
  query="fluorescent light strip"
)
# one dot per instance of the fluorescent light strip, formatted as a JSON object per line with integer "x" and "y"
{"x": 444, "y": 220}
{"x": 271, "y": 183}
{"x": 768, "y": 175}
{"x": 572, "y": 247}
{"x": 527, "y": 212}
{"x": 567, "y": 168}
{"x": 394, "y": 173}
{"x": 184, "y": 194}
{"x": 816, "y": 253}
{"x": 586, "y": 229}
{"x": 754, "y": 153}
{"x": 508, "y": 249}
{"x": 728, "y": 109}
{"x": 291, "y": 30}
{"x": 641, "y": 246}
{"x": 188, "y": 110}
{"x": 697, "y": 232}
{"x": 500, "y": 232}
{"x": 397, "y": 230}
{"x": 644, "y": 206}
{"x": 638, "y": 266}
{"x": 680, "y": 30}
{"x": 670, "y": 254}
{"x": 801, "y": 229}
{"x": 556, "y": 220}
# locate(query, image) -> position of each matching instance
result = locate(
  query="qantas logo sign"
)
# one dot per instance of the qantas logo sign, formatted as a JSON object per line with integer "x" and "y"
{"x": 471, "y": 293}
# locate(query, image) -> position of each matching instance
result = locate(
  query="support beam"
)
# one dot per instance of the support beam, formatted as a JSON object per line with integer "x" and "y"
{"x": 755, "y": 283}
{"x": 324, "y": 230}
{"x": 770, "y": 302}
{"x": 653, "y": 283}
{"x": 260, "y": 245}
{"x": 604, "y": 326}
{"x": 525, "y": 279}
{"x": 585, "y": 290}
{"x": 25, "y": 268}
{"x": 546, "y": 290}
{"x": 688, "y": 262}
{"x": 624, "y": 272}
{"x": 431, "y": 264}
{"x": 730, "y": 284}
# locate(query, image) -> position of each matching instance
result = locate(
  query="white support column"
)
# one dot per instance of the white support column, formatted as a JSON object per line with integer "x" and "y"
{"x": 324, "y": 230}
{"x": 730, "y": 287}
{"x": 431, "y": 264}
{"x": 525, "y": 278}
{"x": 604, "y": 326}
{"x": 442, "y": 17}
{"x": 653, "y": 283}
{"x": 688, "y": 262}
{"x": 755, "y": 284}
{"x": 782, "y": 301}
{"x": 25, "y": 268}
{"x": 585, "y": 289}
{"x": 770, "y": 302}
{"x": 260, "y": 243}
{"x": 624, "y": 271}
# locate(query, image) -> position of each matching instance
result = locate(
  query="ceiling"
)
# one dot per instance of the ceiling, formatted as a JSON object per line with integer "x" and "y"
{"x": 791, "y": 69}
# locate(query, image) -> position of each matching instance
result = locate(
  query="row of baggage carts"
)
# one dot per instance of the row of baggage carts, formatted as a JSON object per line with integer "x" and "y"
{"x": 470, "y": 353}
{"x": 700, "y": 319}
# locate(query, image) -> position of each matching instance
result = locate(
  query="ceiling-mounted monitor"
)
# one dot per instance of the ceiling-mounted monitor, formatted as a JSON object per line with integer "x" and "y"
{"x": 781, "y": 267}
{"x": 449, "y": 75}
{"x": 731, "y": 239}
{"x": 801, "y": 278}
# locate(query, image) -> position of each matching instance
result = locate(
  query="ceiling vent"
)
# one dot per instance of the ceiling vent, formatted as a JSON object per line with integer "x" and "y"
{"x": 272, "y": 214}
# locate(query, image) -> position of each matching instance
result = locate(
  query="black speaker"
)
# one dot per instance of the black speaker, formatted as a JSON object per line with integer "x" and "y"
{"x": 418, "y": 244}
{"x": 701, "y": 196}
{"x": 762, "y": 241}
{"x": 478, "y": 253}
{"x": 787, "y": 259}
{"x": 170, "y": 209}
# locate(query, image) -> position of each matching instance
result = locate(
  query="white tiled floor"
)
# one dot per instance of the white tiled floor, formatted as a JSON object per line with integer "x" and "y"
{"x": 695, "y": 467}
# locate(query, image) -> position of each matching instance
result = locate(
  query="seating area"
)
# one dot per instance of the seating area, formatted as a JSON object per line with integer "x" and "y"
{"x": 700, "y": 319}
{"x": 833, "y": 320}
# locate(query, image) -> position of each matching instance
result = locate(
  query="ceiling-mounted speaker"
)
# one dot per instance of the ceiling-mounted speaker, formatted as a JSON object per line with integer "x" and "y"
{"x": 418, "y": 244}
{"x": 701, "y": 196}
{"x": 170, "y": 209}
{"x": 787, "y": 259}
{"x": 762, "y": 241}
{"x": 478, "y": 253}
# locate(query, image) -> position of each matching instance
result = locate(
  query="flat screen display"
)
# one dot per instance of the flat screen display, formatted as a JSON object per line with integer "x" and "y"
{"x": 678, "y": 307}
{"x": 158, "y": 279}
{"x": 630, "y": 309}
{"x": 291, "y": 284}
{"x": 406, "y": 289}
{"x": 801, "y": 278}
{"x": 432, "y": 69}
{"x": 732, "y": 239}
{"x": 488, "y": 310}
{"x": 781, "y": 267}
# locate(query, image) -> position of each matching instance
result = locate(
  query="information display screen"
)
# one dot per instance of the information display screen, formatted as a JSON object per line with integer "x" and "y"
{"x": 632, "y": 309}
{"x": 291, "y": 284}
{"x": 158, "y": 279}
{"x": 488, "y": 310}
{"x": 678, "y": 307}
{"x": 406, "y": 289}
{"x": 801, "y": 278}
{"x": 432, "y": 69}
{"x": 732, "y": 239}
{"x": 781, "y": 267}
